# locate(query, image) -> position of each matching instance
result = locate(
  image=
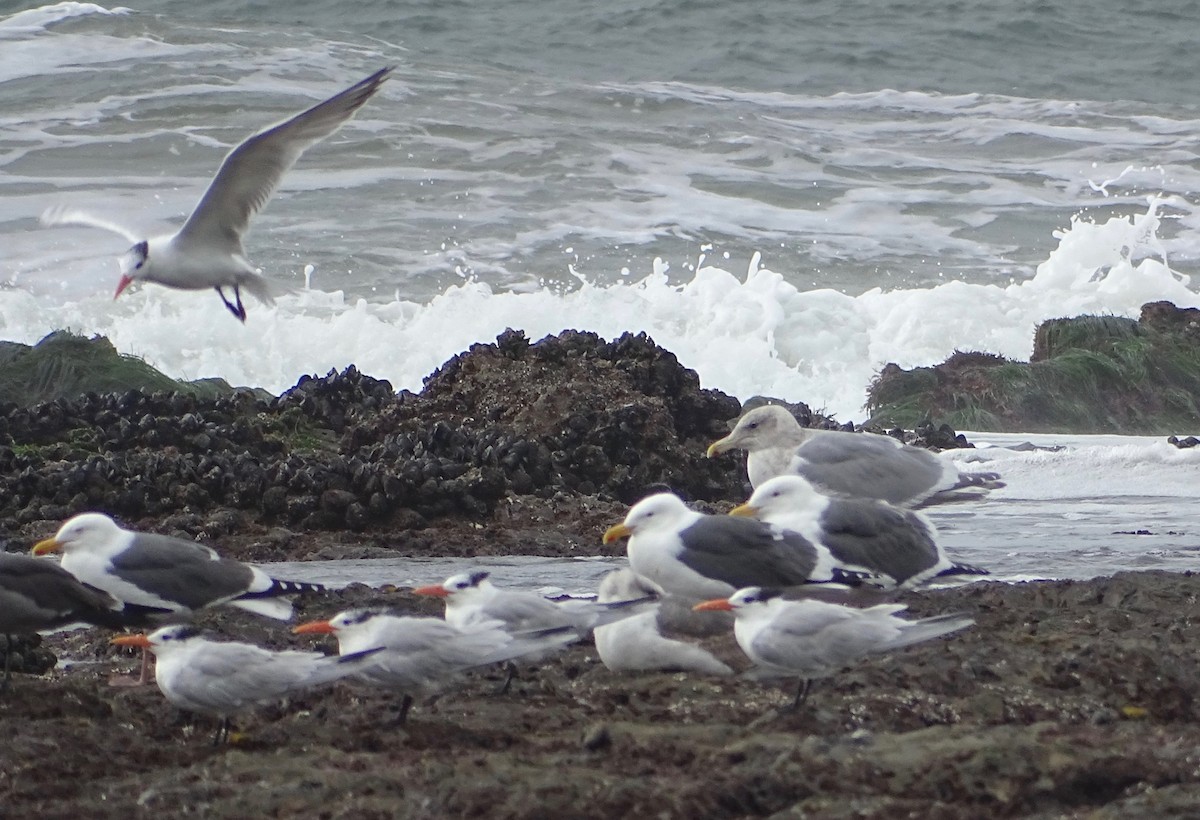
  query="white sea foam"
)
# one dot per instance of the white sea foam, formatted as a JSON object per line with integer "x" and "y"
{"x": 745, "y": 334}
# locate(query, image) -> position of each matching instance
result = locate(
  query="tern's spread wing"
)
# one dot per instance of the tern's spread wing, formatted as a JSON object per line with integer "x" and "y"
{"x": 62, "y": 215}
{"x": 252, "y": 171}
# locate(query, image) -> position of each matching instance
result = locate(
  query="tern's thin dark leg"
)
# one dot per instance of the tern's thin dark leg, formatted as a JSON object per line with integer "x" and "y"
{"x": 237, "y": 310}
{"x": 510, "y": 672}
{"x": 222, "y": 735}
{"x": 802, "y": 693}
{"x": 7, "y": 663}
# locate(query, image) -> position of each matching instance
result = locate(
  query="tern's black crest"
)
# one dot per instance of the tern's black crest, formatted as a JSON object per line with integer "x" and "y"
{"x": 361, "y": 616}
{"x": 477, "y": 577}
{"x": 142, "y": 251}
{"x": 767, "y": 593}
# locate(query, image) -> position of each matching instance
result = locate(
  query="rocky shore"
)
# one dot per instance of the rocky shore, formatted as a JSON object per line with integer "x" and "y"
{"x": 1067, "y": 699}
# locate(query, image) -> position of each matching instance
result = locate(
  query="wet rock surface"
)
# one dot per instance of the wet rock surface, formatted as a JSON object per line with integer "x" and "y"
{"x": 1067, "y": 699}
{"x": 510, "y": 447}
{"x": 1086, "y": 374}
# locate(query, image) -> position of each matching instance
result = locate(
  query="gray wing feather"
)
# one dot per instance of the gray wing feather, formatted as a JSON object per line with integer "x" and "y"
{"x": 253, "y": 170}
{"x": 743, "y": 552}
{"x": 861, "y": 464}
{"x": 886, "y": 539}
{"x": 181, "y": 571}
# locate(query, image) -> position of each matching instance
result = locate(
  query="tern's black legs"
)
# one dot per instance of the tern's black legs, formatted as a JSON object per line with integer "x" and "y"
{"x": 238, "y": 310}
{"x": 510, "y": 672}
{"x": 7, "y": 663}
{"x": 806, "y": 686}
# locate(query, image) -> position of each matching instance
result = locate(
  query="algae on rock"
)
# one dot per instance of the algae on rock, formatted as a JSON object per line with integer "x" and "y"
{"x": 1090, "y": 374}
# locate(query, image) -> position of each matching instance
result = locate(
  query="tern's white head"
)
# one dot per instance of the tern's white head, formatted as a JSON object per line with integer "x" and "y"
{"x": 466, "y": 586}
{"x": 165, "y": 640}
{"x": 135, "y": 266}
{"x": 742, "y": 600}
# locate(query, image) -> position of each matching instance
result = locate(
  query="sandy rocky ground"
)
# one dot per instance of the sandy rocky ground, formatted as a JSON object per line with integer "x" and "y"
{"x": 1067, "y": 699}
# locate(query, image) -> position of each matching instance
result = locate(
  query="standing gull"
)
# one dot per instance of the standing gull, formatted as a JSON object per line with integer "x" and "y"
{"x": 38, "y": 595}
{"x": 637, "y": 644}
{"x": 897, "y": 545}
{"x": 861, "y": 465}
{"x": 223, "y": 678}
{"x": 207, "y": 251}
{"x": 810, "y": 639}
{"x": 424, "y": 654}
{"x": 160, "y": 571}
{"x": 702, "y": 556}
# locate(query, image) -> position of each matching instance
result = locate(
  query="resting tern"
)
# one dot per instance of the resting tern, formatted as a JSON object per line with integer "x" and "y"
{"x": 810, "y": 639}
{"x": 207, "y": 251}
{"x": 223, "y": 678}
{"x": 171, "y": 574}
{"x": 424, "y": 654}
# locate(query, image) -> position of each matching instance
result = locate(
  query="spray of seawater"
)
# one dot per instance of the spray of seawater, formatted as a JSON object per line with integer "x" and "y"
{"x": 745, "y": 334}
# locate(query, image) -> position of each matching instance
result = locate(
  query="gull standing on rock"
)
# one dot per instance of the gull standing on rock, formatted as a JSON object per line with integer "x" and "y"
{"x": 207, "y": 251}
{"x": 168, "y": 573}
{"x": 424, "y": 654}
{"x": 223, "y": 678}
{"x": 810, "y": 639}
{"x": 637, "y": 644}
{"x": 859, "y": 465}
{"x": 897, "y": 545}
{"x": 39, "y": 595}
{"x": 700, "y": 556}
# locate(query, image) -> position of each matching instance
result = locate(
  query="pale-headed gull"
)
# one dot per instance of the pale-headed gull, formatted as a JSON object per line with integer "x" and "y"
{"x": 811, "y": 639}
{"x": 860, "y": 465}
{"x": 207, "y": 251}
{"x": 897, "y": 545}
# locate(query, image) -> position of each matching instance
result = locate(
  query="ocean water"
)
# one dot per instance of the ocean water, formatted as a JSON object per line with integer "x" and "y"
{"x": 786, "y": 195}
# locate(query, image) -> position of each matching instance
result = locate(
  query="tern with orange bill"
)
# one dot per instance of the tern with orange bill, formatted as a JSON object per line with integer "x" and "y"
{"x": 423, "y": 655}
{"x": 810, "y": 639}
{"x": 223, "y": 678}
{"x": 207, "y": 251}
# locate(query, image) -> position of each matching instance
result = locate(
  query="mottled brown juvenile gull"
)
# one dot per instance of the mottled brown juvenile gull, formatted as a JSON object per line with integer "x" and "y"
{"x": 810, "y": 639}
{"x": 860, "y": 465}
{"x": 207, "y": 251}
{"x": 40, "y": 595}
{"x": 692, "y": 554}
{"x": 638, "y": 644}
{"x": 897, "y": 545}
